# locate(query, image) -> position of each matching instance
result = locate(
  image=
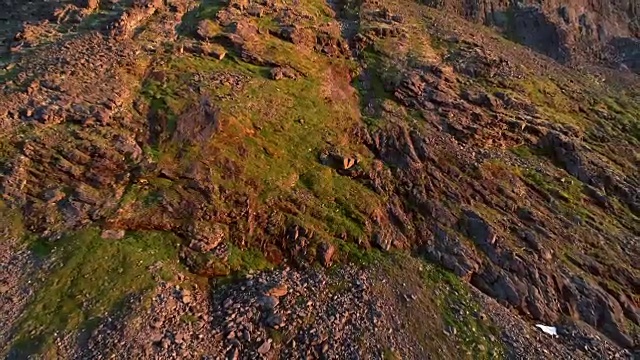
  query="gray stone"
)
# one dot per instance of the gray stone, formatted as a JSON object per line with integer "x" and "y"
{"x": 381, "y": 241}
{"x": 274, "y": 320}
{"x": 233, "y": 354}
{"x": 265, "y": 347}
{"x": 269, "y": 302}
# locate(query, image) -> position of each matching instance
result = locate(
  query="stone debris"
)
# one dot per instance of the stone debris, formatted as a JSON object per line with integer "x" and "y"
{"x": 337, "y": 315}
{"x": 112, "y": 234}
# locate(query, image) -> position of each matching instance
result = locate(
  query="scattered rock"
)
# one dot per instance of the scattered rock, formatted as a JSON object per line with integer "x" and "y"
{"x": 227, "y": 303}
{"x": 269, "y": 302}
{"x": 185, "y": 296}
{"x": 279, "y": 73}
{"x": 278, "y": 291}
{"x": 213, "y": 50}
{"x": 348, "y": 163}
{"x": 381, "y": 241}
{"x": 255, "y": 10}
{"x": 438, "y": 128}
{"x": 274, "y": 320}
{"x": 113, "y": 234}
{"x": 265, "y": 347}
{"x": 205, "y": 236}
{"x": 207, "y": 29}
{"x": 325, "y": 253}
{"x": 233, "y": 354}
{"x": 53, "y": 195}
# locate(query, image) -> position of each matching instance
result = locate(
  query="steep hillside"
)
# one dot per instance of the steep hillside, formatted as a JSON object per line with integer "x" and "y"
{"x": 351, "y": 179}
{"x": 577, "y": 32}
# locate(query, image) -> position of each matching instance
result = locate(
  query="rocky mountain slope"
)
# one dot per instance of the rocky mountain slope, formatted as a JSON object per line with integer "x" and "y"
{"x": 575, "y": 32}
{"x": 308, "y": 179}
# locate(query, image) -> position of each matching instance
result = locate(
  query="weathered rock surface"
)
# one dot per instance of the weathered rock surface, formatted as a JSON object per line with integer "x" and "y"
{"x": 430, "y": 134}
{"x": 566, "y": 31}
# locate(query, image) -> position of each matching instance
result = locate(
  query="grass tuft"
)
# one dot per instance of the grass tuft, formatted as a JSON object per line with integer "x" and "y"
{"x": 91, "y": 277}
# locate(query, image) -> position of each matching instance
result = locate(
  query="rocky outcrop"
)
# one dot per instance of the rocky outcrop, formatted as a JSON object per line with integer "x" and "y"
{"x": 140, "y": 11}
{"x": 565, "y": 31}
{"x": 591, "y": 170}
{"x": 509, "y": 250}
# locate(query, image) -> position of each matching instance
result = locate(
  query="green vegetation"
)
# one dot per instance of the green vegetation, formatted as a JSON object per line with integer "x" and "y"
{"x": 320, "y": 10}
{"x": 189, "y": 318}
{"x": 8, "y": 71}
{"x": 379, "y": 70}
{"x": 267, "y": 23}
{"x": 276, "y": 336}
{"x": 11, "y": 222}
{"x": 442, "y": 314}
{"x": 358, "y": 255}
{"x": 389, "y": 354}
{"x": 568, "y": 190}
{"x": 206, "y": 10}
{"x": 444, "y": 46}
{"x": 523, "y": 151}
{"x": 549, "y": 96}
{"x": 209, "y": 8}
{"x": 461, "y": 312}
{"x": 245, "y": 261}
{"x": 626, "y": 114}
{"x": 274, "y": 132}
{"x": 91, "y": 278}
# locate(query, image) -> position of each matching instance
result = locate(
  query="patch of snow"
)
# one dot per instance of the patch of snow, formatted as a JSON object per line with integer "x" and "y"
{"x": 551, "y": 330}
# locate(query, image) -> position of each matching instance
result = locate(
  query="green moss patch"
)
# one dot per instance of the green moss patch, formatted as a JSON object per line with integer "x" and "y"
{"x": 271, "y": 132}
{"x": 461, "y": 312}
{"x": 11, "y": 222}
{"x": 91, "y": 277}
{"x": 245, "y": 261}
